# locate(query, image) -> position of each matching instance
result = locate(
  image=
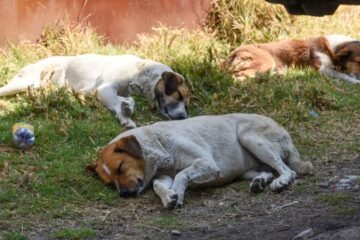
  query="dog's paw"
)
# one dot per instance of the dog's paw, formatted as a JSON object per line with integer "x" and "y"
{"x": 126, "y": 109}
{"x": 257, "y": 185}
{"x": 171, "y": 201}
{"x": 128, "y": 123}
{"x": 283, "y": 181}
{"x": 180, "y": 201}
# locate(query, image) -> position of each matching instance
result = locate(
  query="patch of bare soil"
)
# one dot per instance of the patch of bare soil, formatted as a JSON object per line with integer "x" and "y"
{"x": 314, "y": 205}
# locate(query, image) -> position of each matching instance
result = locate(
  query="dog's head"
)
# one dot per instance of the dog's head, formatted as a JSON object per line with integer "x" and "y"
{"x": 347, "y": 57}
{"x": 122, "y": 165}
{"x": 172, "y": 95}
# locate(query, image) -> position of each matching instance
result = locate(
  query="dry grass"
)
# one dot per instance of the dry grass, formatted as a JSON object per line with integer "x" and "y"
{"x": 254, "y": 21}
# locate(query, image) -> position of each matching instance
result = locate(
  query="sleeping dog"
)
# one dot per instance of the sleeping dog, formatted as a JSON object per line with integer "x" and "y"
{"x": 112, "y": 79}
{"x": 197, "y": 152}
{"x": 334, "y": 56}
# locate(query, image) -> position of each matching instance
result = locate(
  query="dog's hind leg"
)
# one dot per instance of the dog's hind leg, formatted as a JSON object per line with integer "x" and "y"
{"x": 266, "y": 152}
{"x": 162, "y": 187}
{"x": 258, "y": 180}
{"x": 295, "y": 163}
{"x": 121, "y": 106}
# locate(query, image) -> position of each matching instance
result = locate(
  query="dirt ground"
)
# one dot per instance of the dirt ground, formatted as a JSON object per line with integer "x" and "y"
{"x": 314, "y": 204}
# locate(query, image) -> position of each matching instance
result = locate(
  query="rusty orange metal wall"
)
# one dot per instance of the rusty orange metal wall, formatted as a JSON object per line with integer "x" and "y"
{"x": 120, "y": 20}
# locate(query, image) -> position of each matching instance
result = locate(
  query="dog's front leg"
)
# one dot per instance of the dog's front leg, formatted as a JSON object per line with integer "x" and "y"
{"x": 123, "y": 107}
{"x": 200, "y": 171}
{"x": 162, "y": 187}
{"x": 338, "y": 75}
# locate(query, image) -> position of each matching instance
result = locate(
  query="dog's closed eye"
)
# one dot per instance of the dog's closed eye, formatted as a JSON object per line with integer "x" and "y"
{"x": 118, "y": 170}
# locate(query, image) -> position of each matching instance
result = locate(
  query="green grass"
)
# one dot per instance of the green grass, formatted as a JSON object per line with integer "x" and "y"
{"x": 12, "y": 236}
{"x": 77, "y": 233}
{"x": 343, "y": 202}
{"x": 167, "y": 222}
{"x": 50, "y": 183}
{"x": 336, "y": 199}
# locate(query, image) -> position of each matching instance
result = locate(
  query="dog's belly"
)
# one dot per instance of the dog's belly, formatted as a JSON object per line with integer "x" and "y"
{"x": 86, "y": 73}
{"x": 231, "y": 168}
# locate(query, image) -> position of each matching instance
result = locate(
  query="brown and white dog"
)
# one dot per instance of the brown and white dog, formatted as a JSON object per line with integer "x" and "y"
{"x": 112, "y": 79}
{"x": 335, "y": 56}
{"x": 197, "y": 152}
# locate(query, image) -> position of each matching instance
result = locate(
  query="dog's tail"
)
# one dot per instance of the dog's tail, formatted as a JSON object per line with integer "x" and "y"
{"x": 300, "y": 167}
{"x": 28, "y": 76}
{"x": 17, "y": 85}
{"x": 14, "y": 87}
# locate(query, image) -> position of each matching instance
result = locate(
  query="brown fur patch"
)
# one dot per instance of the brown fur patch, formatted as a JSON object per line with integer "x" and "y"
{"x": 172, "y": 88}
{"x": 121, "y": 162}
{"x": 248, "y": 60}
{"x": 347, "y": 57}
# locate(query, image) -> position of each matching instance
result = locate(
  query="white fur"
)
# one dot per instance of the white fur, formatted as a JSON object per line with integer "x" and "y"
{"x": 325, "y": 60}
{"x": 213, "y": 150}
{"x": 105, "y": 76}
{"x": 162, "y": 187}
{"x": 336, "y": 40}
{"x": 106, "y": 169}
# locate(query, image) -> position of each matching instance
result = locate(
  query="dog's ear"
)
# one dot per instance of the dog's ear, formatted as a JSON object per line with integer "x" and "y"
{"x": 172, "y": 82}
{"x": 343, "y": 52}
{"x": 341, "y": 56}
{"x": 129, "y": 145}
{"x": 91, "y": 167}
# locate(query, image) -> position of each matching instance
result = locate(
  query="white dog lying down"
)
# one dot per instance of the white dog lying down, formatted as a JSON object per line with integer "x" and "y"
{"x": 112, "y": 79}
{"x": 197, "y": 152}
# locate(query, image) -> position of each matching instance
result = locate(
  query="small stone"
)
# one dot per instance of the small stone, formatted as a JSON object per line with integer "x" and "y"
{"x": 306, "y": 234}
{"x": 348, "y": 183}
{"x": 175, "y": 233}
{"x": 314, "y": 114}
{"x": 323, "y": 184}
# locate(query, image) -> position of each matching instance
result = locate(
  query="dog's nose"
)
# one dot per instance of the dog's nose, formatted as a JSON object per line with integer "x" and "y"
{"x": 139, "y": 183}
{"x": 124, "y": 192}
{"x": 182, "y": 116}
{"x": 179, "y": 116}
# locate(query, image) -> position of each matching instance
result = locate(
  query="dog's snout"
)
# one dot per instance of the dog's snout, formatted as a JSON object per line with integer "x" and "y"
{"x": 181, "y": 116}
{"x": 124, "y": 192}
{"x": 139, "y": 183}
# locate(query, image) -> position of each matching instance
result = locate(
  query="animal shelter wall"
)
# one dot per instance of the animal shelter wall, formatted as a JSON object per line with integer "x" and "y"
{"x": 119, "y": 20}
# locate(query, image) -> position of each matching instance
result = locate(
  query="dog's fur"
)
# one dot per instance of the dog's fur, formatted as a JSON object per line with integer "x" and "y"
{"x": 200, "y": 151}
{"x": 334, "y": 56}
{"x": 112, "y": 79}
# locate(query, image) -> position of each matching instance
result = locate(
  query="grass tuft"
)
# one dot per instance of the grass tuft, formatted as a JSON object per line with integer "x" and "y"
{"x": 76, "y": 233}
{"x": 167, "y": 222}
{"x": 12, "y": 236}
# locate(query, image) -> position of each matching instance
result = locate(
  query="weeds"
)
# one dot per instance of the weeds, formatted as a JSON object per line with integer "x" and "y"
{"x": 78, "y": 233}
{"x": 167, "y": 222}
{"x": 247, "y": 21}
{"x": 342, "y": 202}
{"x": 12, "y": 236}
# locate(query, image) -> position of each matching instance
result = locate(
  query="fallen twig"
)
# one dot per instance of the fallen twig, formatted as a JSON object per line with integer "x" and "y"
{"x": 8, "y": 148}
{"x": 278, "y": 208}
{"x": 106, "y": 215}
{"x": 152, "y": 227}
